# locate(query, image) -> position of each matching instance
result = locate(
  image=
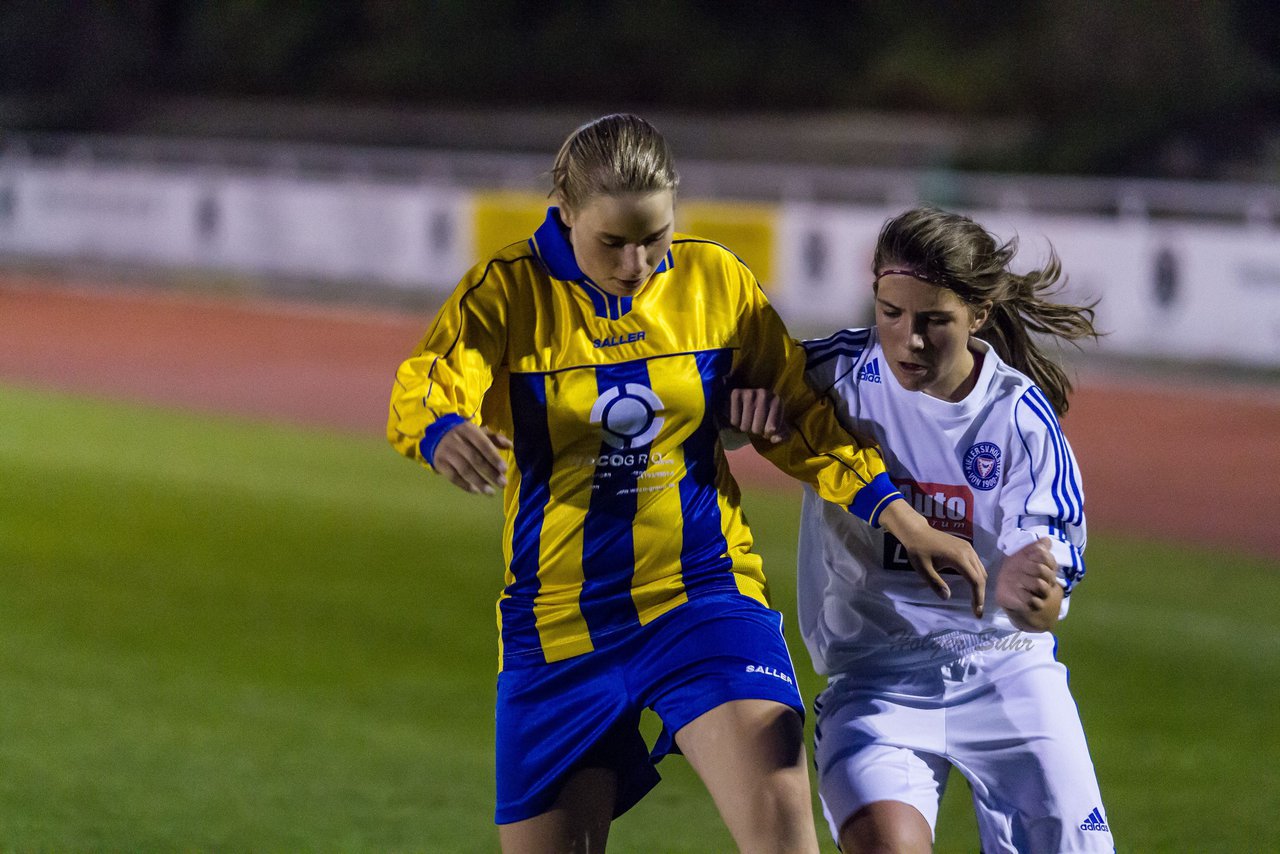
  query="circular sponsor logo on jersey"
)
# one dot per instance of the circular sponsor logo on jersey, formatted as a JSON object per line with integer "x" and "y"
{"x": 628, "y": 415}
{"x": 982, "y": 465}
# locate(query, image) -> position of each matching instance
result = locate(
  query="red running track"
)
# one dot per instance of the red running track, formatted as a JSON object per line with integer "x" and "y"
{"x": 1191, "y": 463}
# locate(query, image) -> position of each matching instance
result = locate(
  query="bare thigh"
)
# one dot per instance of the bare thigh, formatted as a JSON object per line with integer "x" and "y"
{"x": 578, "y": 821}
{"x": 750, "y": 755}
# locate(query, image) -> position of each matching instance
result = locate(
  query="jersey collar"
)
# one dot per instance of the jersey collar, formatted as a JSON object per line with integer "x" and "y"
{"x": 551, "y": 244}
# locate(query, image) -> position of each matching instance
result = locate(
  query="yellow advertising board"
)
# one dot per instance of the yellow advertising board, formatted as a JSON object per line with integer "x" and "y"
{"x": 502, "y": 218}
{"x": 748, "y": 229}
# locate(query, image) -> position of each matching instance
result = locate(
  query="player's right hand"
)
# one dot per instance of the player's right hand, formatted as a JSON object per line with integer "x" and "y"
{"x": 757, "y": 412}
{"x": 1027, "y": 587}
{"x": 930, "y": 550}
{"x": 467, "y": 456}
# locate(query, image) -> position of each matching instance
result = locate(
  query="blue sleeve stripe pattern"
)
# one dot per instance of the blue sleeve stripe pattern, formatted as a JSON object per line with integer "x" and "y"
{"x": 871, "y": 500}
{"x": 1065, "y": 489}
{"x": 705, "y": 565}
{"x": 1074, "y": 572}
{"x": 608, "y": 541}
{"x": 532, "y": 449}
{"x": 434, "y": 433}
{"x": 847, "y": 342}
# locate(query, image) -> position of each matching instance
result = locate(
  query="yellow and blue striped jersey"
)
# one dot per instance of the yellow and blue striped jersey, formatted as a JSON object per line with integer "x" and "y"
{"x": 619, "y": 503}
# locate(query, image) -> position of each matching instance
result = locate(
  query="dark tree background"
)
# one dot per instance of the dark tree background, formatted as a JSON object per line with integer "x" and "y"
{"x": 1140, "y": 87}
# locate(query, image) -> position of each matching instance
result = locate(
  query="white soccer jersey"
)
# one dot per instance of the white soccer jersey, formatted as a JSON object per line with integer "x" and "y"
{"x": 994, "y": 469}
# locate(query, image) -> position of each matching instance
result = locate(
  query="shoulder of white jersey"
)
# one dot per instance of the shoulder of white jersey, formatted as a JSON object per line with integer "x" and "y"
{"x": 1007, "y": 384}
{"x": 847, "y": 343}
{"x": 829, "y": 359}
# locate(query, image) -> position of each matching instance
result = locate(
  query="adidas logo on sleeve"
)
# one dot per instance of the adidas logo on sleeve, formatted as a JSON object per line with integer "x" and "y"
{"x": 870, "y": 372}
{"x": 1095, "y": 821}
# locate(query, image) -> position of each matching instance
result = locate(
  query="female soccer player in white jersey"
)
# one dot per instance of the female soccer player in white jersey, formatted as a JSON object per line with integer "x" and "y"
{"x": 964, "y": 403}
{"x": 581, "y": 371}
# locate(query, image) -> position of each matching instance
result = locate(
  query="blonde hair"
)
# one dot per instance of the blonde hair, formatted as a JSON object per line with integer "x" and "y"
{"x": 954, "y": 252}
{"x": 612, "y": 155}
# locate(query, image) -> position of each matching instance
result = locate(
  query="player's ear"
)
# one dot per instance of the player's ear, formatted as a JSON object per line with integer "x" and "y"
{"x": 979, "y": 315}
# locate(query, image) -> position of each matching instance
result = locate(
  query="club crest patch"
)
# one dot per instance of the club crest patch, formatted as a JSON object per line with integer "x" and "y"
{"x": 982, "y": 465}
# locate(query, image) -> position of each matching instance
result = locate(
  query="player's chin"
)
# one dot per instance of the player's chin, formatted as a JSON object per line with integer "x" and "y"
{"x": 912, "y": 380}
{"x": 630, "y": 286}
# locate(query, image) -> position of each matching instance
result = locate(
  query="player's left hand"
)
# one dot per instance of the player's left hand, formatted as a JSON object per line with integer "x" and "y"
{"x": 1027, "y": 587}
{"x": 758, "y": 413}
{"x": 930, "y": 550}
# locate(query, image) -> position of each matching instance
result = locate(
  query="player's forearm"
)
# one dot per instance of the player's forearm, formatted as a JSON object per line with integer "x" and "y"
{"x": 901, "y": 519}
{"x": 819, "y": 452}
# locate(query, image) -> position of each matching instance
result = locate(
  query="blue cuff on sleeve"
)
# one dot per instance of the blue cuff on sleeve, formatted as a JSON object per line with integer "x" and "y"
{"x": 1070, "y": 576}
{"x": 873, "y": 498}
{"x": 442, "y": 425}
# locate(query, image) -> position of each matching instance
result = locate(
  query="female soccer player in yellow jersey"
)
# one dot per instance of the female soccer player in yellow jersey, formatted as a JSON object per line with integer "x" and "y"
{"x": 580, "y": 371}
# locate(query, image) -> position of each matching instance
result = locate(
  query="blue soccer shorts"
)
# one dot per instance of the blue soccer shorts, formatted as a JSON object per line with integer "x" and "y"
{"x": 584, "y": 712}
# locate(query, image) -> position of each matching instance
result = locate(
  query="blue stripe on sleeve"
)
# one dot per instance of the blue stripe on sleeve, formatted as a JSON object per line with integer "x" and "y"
{"x": 532, "y": 441}
{"x": 705, "y": 564}
{"x": 847, "y": 342}
{"x": 1065, "y": 489}
{"x": 608, "y": 542}
{"x": 1036, "y": 405}
{"x": 1077, "y": 571}
{"x": 1072, "y": 493}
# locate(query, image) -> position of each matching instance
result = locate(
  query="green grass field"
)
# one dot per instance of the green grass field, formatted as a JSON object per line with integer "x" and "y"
{"x": 220, "y": 635}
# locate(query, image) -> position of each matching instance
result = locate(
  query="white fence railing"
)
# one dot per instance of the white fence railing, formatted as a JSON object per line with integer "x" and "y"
{"x": 1183, "y": 270}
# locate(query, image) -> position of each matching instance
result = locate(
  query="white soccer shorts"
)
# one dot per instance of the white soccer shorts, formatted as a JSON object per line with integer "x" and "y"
{"x": 1004, "y": 719}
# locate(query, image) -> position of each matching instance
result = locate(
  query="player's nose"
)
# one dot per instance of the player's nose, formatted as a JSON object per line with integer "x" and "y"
{"x": 633, "y": 261}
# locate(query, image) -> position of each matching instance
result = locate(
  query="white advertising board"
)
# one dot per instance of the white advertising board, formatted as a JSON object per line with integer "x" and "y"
{"x": 125, "y": 215}
{"x": 1178, "y": 291}
{"x": 824, "y": 261}
{"x": 347, "y": 230}
{"x": 1173, "y": 290}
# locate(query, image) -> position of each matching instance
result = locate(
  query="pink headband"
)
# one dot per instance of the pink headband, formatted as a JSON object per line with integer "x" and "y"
{"x": 915, "y": 274}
